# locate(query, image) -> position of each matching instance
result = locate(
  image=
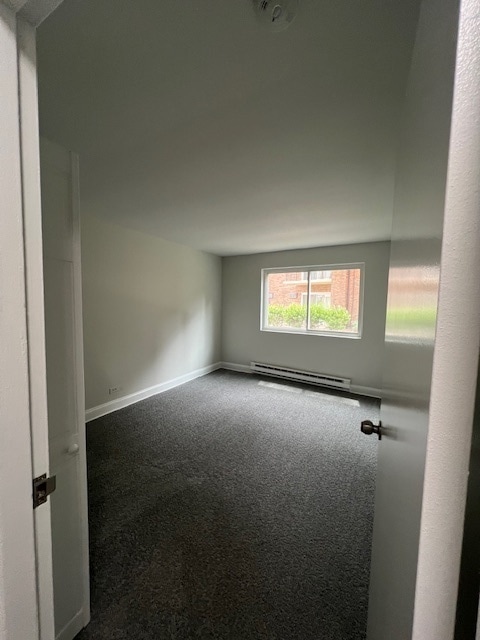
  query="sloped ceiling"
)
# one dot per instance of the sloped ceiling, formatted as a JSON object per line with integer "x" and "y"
{"x": 196, "y": 123}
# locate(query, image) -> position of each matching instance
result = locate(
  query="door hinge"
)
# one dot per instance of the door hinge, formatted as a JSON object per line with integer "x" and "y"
{"x": 42, "y": 488}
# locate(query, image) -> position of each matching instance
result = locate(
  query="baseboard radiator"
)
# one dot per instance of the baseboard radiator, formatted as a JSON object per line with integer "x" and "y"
{"x": 300, "y": 376}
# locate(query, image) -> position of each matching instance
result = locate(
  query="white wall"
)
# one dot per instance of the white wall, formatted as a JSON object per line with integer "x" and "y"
{"x": 242, "y": 340}
{"x": 151, "y": 310}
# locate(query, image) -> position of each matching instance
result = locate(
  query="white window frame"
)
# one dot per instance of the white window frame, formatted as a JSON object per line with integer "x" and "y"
{"x": 307, "y": 269}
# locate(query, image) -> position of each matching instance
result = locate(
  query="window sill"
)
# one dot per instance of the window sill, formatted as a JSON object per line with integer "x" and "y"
{"x": 303, "y": 332}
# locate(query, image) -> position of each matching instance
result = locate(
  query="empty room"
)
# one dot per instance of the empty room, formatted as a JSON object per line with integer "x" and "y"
{"x": 242, "y": 214}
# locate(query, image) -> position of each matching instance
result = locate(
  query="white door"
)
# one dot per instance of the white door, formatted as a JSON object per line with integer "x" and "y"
{"x": 417, "y": 274}
{"x": 65, "y": 388}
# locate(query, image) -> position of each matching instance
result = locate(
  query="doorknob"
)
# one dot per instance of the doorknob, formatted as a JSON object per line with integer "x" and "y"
{"x": 73, "y": 448}
{"x": 367, "y": 427}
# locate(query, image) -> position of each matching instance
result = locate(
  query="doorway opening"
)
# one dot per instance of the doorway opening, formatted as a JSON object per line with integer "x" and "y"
{"x": 227, "y": 164}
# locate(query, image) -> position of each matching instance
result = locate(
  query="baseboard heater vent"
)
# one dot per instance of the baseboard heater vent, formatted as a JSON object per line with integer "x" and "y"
{"x": 300, "y": 376}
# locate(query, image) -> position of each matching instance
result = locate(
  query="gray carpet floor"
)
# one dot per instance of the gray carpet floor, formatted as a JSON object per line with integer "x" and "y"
{"x": 233, "y": 507}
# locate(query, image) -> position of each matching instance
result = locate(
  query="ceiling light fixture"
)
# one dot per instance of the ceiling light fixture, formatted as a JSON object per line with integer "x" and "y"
{"x": 275, "y": 15}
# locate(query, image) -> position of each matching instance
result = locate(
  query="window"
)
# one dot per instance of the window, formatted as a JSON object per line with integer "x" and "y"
{"x": 319, "y": 300}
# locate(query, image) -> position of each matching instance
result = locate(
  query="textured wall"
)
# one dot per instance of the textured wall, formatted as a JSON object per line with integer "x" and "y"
{"x": 151, "y": 310}
{"x": 242, "y": 340}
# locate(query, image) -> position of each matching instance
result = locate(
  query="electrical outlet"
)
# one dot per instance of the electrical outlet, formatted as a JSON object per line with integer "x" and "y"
{"x": 113, "y": 390}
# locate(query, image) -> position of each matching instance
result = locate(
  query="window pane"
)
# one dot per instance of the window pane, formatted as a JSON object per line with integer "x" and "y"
{"x": 335, "y": 300}
{"x": 286, "y": 308}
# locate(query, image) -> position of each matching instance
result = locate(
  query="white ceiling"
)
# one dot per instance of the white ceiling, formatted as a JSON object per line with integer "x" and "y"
{"x": 195, "y": 123}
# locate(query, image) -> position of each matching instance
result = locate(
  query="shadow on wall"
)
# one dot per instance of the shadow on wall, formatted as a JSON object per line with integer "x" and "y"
{"x": 132, "y": 343}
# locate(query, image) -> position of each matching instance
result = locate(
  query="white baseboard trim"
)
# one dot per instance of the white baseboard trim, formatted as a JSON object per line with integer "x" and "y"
{"x": 132, "y": 398}
{"x": 232, "y": 366}
{"x": 72, "y": 628}
{"x": 371, "y": 392}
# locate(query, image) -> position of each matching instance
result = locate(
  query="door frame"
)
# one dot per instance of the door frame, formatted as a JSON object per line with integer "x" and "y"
{"x": 26, "y": 591}
{"x": 57, "y": 160}
{"x": 26, "y": 586}
{"x": 18, "y": 571}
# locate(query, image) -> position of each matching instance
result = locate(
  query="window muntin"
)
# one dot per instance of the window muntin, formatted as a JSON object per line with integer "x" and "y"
{"x": 302, "y": 276}
{"x": 318, "y": 298}
{"x": 324, "y": 274}
{"x": 322, "y": 300}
